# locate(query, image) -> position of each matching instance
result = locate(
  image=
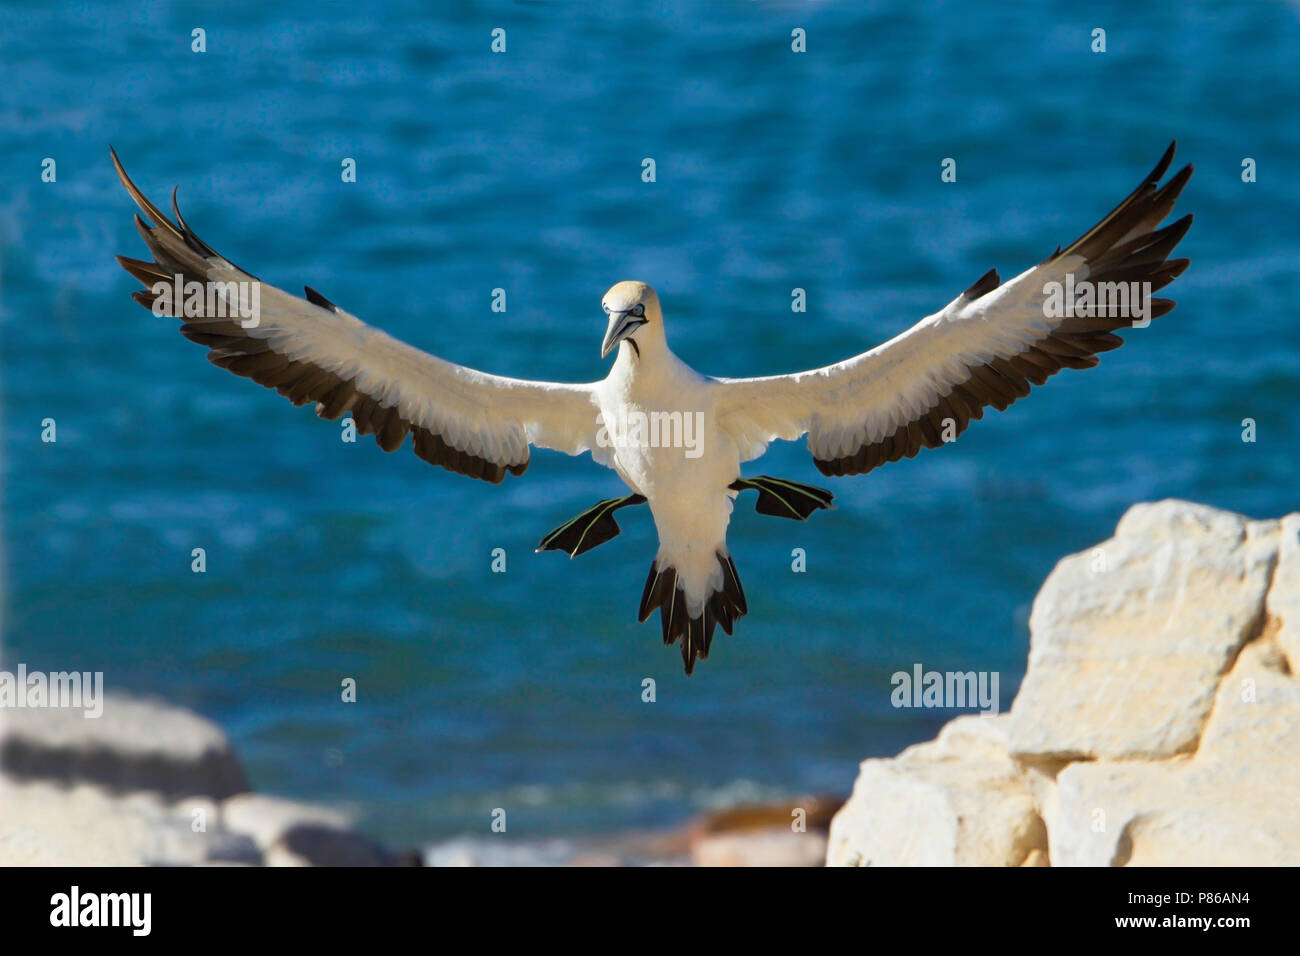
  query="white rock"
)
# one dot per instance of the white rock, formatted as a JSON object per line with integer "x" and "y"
{"x": 1158, "y": 723}
{"x": 140, "y": 785}
{"x": 1284, "y": 595}
{"x": 266, "y": 819}
{"x": 1233, "y": 803}
{"x": 1129, "y": 639}
{"x": 771, "y": 846}
{"x": 290, "y": 833}
{"x": 50, "y": 825}
{"x": 958, "y": 800}
{"x": 137, "y": 744}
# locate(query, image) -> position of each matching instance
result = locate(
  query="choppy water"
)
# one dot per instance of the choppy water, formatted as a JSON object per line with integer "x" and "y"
{"x": 522, "y": 171}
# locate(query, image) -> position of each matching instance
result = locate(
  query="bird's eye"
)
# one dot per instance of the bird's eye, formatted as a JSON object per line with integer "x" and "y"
{"x": 638, "y": 310}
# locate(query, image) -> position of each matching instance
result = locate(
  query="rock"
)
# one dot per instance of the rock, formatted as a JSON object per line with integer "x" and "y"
{"x": 1130, "y": 638}
{"x": 768, "y": 846}
{"x": 811, "y": 812}
{"x": 134, "y": 745}
{"x": 50, "y": 825}
{"x": 498, "y": 850}
{"x": 1156, "y": 724}
{"x": 266, "y": 819}
{"x": 1283, "y": 603}
{"x": 958, "y": 800}
{"x": 290, "y": 833}
{"x": 1232, "y": 803}
{"x": 147, "y": 783}
{"x": 792, "y": 833}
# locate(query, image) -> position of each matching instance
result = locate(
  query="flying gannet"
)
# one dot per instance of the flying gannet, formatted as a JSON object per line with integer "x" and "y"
{"x": 918, "y": 390}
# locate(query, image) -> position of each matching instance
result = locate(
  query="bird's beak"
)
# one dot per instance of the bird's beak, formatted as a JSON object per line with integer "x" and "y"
{"x": 621, "y": 325}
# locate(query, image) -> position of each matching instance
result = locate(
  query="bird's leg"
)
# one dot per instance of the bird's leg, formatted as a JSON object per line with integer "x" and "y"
{"x": 783, "y": 498}
{"x": 594, "y": 526}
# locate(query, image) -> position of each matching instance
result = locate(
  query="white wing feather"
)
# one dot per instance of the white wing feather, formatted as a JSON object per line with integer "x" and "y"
{"x": 986, "y": 347}
{"x": 467, "y": 421}
{"x": 487, "y": 415}
{"x": 869, "y": 396}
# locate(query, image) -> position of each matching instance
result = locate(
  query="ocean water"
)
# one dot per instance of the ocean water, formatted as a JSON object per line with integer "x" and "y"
{"x": 522, "y": 171}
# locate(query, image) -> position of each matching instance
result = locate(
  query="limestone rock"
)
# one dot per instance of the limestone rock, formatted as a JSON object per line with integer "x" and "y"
{"x": 1232, "y": 803}
{"x": 1156, "y": 725}
{"x": 1130, "y": 638}
{"x": 1284, "y": 596}
{"x": 957, "y": 800}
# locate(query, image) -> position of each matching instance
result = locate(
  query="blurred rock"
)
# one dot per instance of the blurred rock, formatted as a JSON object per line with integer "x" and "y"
{"x": 1156, "y": 724}
{"x": 769, "y": 846}
{"x": 135, "y": 745}
{"x": 290, "y": 833}
{"x": 502, "y": 850}
{"x": 148, "y": 783}
{"x": 812, "y": 812}
{"x": 50, "y": 825}
{"x": 778, "y": 834}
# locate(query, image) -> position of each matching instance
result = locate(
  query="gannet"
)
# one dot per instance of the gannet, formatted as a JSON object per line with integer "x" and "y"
{"x": 918, "y": 390}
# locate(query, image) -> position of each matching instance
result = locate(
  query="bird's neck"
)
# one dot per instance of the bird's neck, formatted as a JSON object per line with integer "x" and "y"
{"x": 649, "y": 368}
{"x": 644, "y": 361}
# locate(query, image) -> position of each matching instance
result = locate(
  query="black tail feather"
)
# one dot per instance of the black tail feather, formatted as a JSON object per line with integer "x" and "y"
{"x": 725, "y": 606}
{"x": 783, "y": 498}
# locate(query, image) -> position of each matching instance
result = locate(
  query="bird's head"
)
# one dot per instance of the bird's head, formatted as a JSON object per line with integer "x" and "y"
{"x": 633, "y": 310}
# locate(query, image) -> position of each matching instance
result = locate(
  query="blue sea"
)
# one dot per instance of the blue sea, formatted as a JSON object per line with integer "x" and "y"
{"x": 522, "y": 171}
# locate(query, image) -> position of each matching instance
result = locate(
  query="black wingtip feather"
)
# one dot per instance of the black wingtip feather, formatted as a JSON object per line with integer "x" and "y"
{"x": 178, "y": 251}
{"x": 315, "y": 298}
{"x": 1165, "y": 160}
{"x": 1126, "y": 246}
{"x": 983, "y": 285}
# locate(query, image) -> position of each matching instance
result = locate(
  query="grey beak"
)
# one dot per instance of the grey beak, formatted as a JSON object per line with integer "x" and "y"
{"x": 621, "y": 325}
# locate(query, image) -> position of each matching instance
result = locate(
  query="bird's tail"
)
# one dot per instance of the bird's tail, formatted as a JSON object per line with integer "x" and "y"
{"x": 724, "y": 605}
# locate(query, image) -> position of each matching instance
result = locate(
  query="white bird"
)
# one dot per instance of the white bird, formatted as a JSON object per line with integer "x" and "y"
{"x": 920, "y": 389}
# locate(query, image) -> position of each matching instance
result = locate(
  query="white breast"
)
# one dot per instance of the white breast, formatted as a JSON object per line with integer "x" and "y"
{"x": 665, "y": 444}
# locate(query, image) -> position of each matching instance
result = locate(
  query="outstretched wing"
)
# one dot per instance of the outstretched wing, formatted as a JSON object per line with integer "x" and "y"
{"x": 310, "y": 350}
{"x": 984, "y": 348}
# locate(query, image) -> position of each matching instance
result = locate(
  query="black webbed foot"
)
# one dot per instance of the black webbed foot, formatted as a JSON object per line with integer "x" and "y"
{"x": 594, "y": 526}
{"x": 783, "y": 498}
